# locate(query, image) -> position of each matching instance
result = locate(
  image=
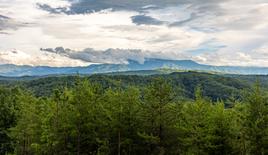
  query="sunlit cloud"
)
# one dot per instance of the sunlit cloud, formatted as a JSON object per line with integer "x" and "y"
{"x": 229, "y": 32}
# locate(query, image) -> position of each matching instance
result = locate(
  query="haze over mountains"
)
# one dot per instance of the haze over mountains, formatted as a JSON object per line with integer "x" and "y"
{"x": 149, "y": 64}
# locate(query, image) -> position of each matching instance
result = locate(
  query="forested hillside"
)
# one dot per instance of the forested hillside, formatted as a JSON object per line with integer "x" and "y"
{"x": 181, "y": 113}
{"x": 216, "y": 87}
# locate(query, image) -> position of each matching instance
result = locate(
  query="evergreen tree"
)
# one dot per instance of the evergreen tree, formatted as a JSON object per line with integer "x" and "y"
{"x": 85, "y": 121}
{"x": 157, "y": 98}
{"x": 114, "y": 118}
{"x": 197, "y": 126}
{"x": 122, "y": 108}
{"x": 8, "y": 108}
{"x": 27, "y": 131}
{"x": 223, "y": 130}
{"x": 257, "y": 121}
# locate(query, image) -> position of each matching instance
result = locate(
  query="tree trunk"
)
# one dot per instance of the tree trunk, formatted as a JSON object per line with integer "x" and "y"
{"x": 78, "y": 139}
{"x": 119, "y": 142}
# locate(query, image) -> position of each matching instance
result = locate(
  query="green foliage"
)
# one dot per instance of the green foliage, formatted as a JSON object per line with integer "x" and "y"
{"x": 214, "y": 86}
{"x": 158, "y": 99}
{"x": 8, "y": 108}
{"x": 256, "y": 123}
{"x": 108, "y": 115}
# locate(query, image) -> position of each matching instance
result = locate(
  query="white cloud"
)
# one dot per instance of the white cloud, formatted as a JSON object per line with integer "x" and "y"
{"x": 239, "y": 25}
{"x": 99, "y": 30}
{"x": 171, "y": 14}
{"x": 262, "y": 51}
{"x": 45, "y": 59}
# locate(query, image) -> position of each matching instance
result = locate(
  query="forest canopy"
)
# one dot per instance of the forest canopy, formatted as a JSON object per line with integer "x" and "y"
{"x": 150, "y": 116}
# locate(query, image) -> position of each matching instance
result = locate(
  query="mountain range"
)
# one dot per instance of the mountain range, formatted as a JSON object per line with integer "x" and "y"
{"x": 149, "y": 64}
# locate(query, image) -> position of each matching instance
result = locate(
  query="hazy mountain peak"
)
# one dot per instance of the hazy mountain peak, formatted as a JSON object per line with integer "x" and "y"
{"x": 149, "y": 64}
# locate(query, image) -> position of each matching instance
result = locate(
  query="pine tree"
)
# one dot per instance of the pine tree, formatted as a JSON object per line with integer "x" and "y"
{"x": 28, "y": 128}
{"x": 257, "y": 121}
{"x": 122, "y": 107}
{"x": 196, "y": 125}
{"x": 157, "y": 98}
{"x": 8, "y": 108}
{"x": 223, "y": 130}
{"x": 86, "y": 109}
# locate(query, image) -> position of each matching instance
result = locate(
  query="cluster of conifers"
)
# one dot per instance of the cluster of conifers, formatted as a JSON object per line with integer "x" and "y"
{"x": 88, "y": 119}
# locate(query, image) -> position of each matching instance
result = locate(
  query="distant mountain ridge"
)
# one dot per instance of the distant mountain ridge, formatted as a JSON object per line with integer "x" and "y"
{"x": 149, "y": 64}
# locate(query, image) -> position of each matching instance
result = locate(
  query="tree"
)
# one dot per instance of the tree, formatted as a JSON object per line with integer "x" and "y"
{"x": 86, "y": 120}
{"x": 224, "y": 130}
{"x": 122, "y": 107}
{"x": 8, "y": 108}
{"x": 56, "y": 114}
{"x": 196, "y": 125}
{"x": 158, "y": 97}
{"x": 27, "y": 131}
{"x": 257, "y": 121}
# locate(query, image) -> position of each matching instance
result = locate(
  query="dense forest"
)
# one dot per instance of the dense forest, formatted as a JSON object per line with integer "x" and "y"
{"x": 180, "y": 113}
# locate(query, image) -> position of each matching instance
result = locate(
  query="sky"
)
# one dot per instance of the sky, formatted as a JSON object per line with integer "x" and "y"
{"x": 83, "y": 32}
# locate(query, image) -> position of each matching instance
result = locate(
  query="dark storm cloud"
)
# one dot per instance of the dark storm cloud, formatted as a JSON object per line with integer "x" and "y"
{"x": 145, "y": 20}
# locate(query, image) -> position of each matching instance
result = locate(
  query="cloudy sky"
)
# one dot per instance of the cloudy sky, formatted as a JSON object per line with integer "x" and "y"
{"x": 82, "y": 32}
